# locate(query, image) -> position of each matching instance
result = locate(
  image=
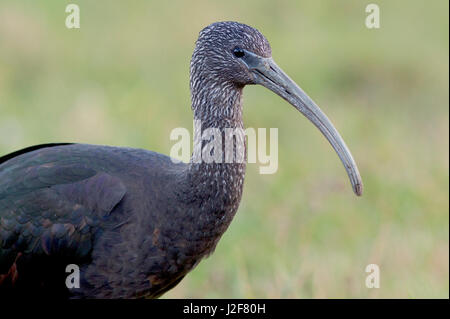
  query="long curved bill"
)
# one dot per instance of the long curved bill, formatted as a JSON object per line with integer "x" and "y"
{"x": 267, "y": 73}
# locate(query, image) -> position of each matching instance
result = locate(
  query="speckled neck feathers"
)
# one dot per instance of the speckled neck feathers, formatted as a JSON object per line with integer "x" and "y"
{"x": 216, "y": 103}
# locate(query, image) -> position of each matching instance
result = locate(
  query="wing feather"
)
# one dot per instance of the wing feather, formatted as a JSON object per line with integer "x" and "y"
{"x": 52, "y": 204}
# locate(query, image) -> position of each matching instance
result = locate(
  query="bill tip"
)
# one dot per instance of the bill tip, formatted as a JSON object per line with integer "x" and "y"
{"x": 358, "y": 189}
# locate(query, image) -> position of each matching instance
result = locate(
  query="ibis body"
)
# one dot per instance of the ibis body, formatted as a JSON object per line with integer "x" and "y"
{"x": 130, "y": 222}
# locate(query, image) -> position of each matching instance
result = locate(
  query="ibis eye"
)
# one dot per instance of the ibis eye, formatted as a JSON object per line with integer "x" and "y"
{"x": 238, "y": 52}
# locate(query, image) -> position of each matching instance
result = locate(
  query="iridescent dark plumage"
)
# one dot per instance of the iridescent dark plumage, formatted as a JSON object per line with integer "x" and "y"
{"x": 134, "y": 221}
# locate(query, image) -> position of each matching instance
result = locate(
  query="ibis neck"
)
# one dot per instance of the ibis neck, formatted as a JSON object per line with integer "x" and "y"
{"x": 217, "y": 108}
{"x": 216, "y": 180}
{"x": 218, "y": 105}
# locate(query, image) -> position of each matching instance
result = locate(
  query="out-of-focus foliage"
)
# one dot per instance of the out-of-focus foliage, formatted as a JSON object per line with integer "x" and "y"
{"x": 122, "y": 79}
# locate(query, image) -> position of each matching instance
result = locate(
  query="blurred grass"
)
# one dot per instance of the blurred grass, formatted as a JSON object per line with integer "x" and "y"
{"x": 122, "y": 79}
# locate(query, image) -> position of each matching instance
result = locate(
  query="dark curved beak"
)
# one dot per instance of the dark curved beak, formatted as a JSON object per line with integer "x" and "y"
{"x": 267, "y": 73}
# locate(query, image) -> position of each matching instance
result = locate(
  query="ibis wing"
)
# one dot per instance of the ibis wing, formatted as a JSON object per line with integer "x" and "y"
{"x": 51, "y": 203}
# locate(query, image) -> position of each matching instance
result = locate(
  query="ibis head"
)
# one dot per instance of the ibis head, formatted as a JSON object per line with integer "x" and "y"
{"x": 232, "y": 55}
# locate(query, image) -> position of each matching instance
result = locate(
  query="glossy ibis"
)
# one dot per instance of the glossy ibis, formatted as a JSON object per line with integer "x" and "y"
{"x": 134, "y": 221}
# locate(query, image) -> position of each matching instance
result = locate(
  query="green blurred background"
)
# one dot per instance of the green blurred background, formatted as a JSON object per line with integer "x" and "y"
{"x": 122, "y": 79}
